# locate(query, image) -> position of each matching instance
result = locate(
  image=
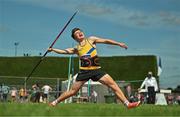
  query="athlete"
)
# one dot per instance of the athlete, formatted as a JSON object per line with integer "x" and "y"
{"x": 90, "y": 67}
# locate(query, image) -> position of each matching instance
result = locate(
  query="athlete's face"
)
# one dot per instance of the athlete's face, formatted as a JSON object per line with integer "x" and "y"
{"x": 79, "y": 35}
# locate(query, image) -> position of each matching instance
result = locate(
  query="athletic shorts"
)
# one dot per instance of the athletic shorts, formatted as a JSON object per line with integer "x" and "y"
{"x": 85, "y": 75}
{"x": 45, "y": 95}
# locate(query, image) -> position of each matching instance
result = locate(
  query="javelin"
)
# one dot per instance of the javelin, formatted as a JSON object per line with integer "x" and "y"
{"x": 50, "y": 47}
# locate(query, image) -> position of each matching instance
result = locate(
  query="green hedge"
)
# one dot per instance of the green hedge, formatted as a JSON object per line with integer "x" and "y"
{"x": 126, "y": 68}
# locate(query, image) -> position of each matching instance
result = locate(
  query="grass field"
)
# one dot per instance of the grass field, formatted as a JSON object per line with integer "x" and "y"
{"x": 30, "y": 109}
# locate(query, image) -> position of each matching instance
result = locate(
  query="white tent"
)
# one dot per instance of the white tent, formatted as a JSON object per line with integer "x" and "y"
{"x": 93, "y": 83}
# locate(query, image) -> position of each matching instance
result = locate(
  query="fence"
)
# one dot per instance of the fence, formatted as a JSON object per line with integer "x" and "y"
{"x": 20, "y": 81}
{"x": 59, "y": 87}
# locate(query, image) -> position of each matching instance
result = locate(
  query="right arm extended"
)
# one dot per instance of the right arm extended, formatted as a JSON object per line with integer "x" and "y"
{"x": 66, "y": 51}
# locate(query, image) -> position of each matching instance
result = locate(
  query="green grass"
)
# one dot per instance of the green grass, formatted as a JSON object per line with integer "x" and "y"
{"x": 31, "y": 109}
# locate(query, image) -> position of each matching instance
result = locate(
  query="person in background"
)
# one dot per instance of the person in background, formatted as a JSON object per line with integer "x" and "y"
{"x": 129, "y": 93}
{"x": 5, "y": 90}
{"x": 26, "y": 95}
{"x": 1, "y": 98}
{"x": 22, "y": 94}
{"x": 94, "y": 95}
{"x": 13, "y": 94}
{"x": 151, "y": 87}
{"x": 178, "y": 99}
{"x": 36, "y": 92}
{"x": 46, "y": 89}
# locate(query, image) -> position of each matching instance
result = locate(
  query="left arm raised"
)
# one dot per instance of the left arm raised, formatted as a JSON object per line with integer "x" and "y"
{"x": 107, "y": 41}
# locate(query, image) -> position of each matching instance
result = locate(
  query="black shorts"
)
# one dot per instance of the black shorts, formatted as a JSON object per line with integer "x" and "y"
{"x": 45, "y": 95}
{"x": 85, "y": 75}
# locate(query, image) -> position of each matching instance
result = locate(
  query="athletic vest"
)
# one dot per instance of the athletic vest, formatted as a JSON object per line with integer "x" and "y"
{"x": 88, "y": 56}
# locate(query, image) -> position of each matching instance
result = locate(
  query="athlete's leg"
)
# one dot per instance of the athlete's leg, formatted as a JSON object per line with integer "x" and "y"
{"x": 108, "y": 81}
{"x": 74, "y": 89}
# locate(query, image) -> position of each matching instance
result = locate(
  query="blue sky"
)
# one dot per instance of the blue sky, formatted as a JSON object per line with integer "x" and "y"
{"x": 148, "y": 27}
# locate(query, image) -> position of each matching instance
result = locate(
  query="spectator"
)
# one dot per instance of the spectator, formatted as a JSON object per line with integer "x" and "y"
{"x": 46, "y": 89}
{"x": 129, "y": 93}
{"x": 1, "y": 98}
{"x": 178, "y": 99}
{"x": 5, "y": 90}
{"x": 94, "y": 94}
{"x": 13, "y": 94}
{"x": 170, "y": 99}
{"x": 25, "y": 95}
{"x": 22, "y": 94}
{"x": 36, "y": 92}
{"x": 151, "y": 88}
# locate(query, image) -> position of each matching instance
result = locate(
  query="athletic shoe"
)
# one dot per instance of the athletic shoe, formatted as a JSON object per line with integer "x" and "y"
{"x": 133, "y": 105}
{"x": 52, "y": 104}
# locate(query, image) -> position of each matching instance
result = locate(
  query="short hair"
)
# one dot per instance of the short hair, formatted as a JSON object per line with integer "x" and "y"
{"x": 73, "y": 31}
{"x": 150, "y": 73}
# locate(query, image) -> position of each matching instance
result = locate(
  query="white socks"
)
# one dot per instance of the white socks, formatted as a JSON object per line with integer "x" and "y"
{"x": 126, "y": 102}
{"x": 54, "y": 102}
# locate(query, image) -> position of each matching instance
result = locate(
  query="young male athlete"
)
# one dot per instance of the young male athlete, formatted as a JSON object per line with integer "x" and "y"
{"x": 90, "y": 67}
